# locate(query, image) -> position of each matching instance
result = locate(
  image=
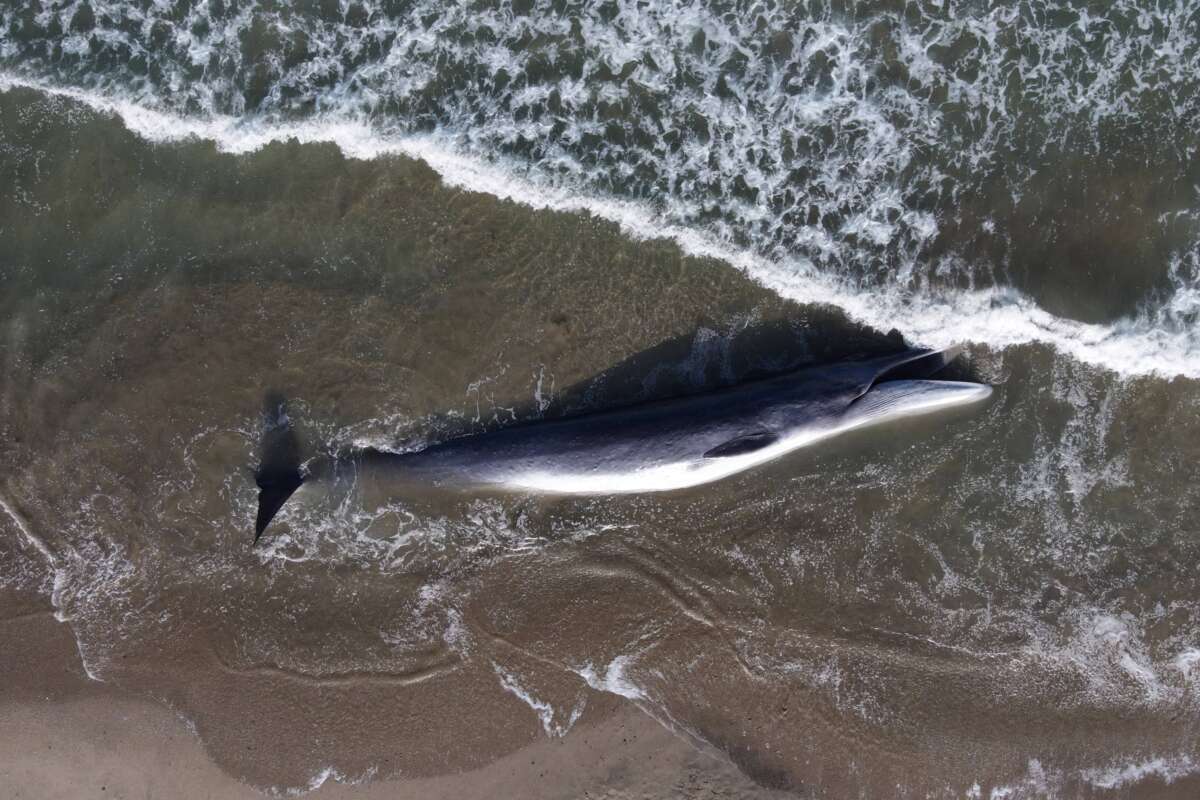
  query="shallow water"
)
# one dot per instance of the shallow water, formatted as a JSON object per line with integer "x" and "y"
{"x": 921, "y": 609}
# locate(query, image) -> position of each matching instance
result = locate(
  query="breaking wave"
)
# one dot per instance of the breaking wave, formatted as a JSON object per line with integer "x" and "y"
{"x": 1000, "y": 173}
{"x": 1160, "y": 339}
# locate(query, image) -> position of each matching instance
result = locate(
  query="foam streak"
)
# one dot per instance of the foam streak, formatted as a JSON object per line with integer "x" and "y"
{"x": 997, "y": 317}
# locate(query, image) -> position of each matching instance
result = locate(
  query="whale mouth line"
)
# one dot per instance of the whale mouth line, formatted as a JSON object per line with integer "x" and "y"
{"x": 907, "y": 398}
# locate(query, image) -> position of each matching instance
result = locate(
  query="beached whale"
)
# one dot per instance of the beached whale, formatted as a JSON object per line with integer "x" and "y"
{"x": 656, "y": 447}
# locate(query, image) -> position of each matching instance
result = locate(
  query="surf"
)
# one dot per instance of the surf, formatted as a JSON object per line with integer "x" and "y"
{"x": 1158, "y": 340}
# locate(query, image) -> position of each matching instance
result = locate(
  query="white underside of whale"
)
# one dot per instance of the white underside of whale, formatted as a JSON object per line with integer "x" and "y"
{"x": 884, "y": 402}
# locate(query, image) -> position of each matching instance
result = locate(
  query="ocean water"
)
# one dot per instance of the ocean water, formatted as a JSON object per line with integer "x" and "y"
{"x": 424, "y": 219}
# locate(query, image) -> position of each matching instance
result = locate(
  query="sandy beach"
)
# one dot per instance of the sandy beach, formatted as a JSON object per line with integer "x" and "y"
{"x": 65, "y": 736}
{"x": 416, "y": 223}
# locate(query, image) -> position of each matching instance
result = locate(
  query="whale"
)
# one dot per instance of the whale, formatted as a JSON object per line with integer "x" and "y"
{"x": 660, "y": 446}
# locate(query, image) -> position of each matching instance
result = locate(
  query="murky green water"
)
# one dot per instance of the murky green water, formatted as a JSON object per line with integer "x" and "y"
{"x": 957, "y": 601}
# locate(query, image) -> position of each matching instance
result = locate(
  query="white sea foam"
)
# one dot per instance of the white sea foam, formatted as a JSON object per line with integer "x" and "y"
{"x": 26, "y": 533}
{"x": 828, "y": 155}
{"x": 1117, "y": 637}
{"x": 997, "y": 317}
{"x": 613, "y": 680}
{"x": 545, "y": 712}
{"x": 320, "y": 778}
{"x": 1187, "y": 662}
{"x": 60, "y": 589}
{"x": 1166, "y": 768}
{"x": 1047, "y": 781}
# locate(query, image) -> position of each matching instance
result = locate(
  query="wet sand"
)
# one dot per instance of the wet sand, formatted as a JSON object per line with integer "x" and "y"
{"x": 911, "y": 612}
{"x": 64, "y": 736}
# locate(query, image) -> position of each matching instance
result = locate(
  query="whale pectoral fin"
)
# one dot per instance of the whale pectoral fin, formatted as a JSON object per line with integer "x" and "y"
{"x": 742, "y": 444}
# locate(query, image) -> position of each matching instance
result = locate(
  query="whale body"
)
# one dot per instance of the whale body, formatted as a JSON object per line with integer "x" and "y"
{"x": 655, "y": 447}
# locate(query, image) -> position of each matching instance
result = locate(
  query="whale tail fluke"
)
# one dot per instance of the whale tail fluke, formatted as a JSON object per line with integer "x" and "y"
{"x": 279, "y": 473}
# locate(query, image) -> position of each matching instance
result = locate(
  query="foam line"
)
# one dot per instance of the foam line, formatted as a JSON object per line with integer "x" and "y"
{"x": 30, "y": 536}
{"x": 60, "y": 578}
{"x": 1146, "y": 344}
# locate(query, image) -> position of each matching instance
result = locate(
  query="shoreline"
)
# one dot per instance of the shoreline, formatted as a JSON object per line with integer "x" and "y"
{"x": 1131, "y": 346}
{"x": 831, "y": 637}
{"x": 49, "y": 707}
{"x": 66, "y": 736}
{"x": 121, "y": 745}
